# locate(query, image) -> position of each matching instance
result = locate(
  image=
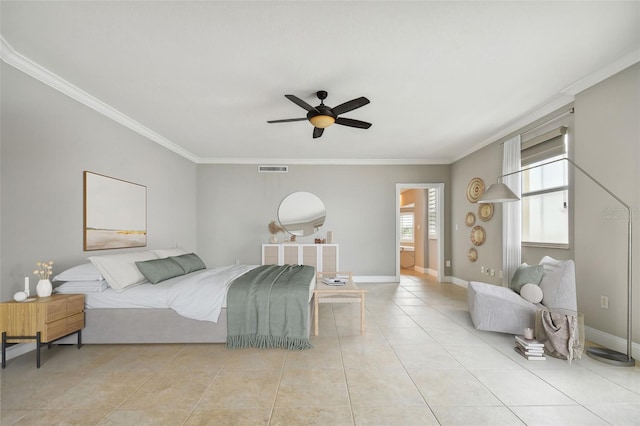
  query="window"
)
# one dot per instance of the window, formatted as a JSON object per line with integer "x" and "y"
{"x": 406, "y": 227}
{"x": 432, "y": 213}
{"x": 545, "y": 191}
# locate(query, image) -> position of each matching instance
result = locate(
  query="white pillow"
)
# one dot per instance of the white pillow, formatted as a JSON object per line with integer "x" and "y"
{"x": 72, "y": 287}
{"x": 84, "y": 272}
{"x": 531, "y": 293}
{"x": 559, "y": 284}
{"x": 176, "y": 251}
{"x": 120, "y": 270}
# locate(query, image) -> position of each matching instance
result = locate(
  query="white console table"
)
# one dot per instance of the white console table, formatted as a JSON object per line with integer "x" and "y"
{"x": 324, "y": 257}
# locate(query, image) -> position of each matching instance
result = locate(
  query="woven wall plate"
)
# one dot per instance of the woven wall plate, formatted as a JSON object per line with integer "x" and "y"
{"x": 475, "y": 189}
{"x": 485, "y": 212}
{"x": 478, "y": 235}
{"x": 470, "y": 219}
{"x": 472, "y": 255}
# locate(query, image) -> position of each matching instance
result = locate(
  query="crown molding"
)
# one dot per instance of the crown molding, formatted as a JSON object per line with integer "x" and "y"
{"x": 560, "y": 101}
{"x": 327, "y": 161}
{"x": 563, "y": 99}
{"x": 27, "y": 66}
{"x": 602, "y": 74}
{"x": 31, "y": 68}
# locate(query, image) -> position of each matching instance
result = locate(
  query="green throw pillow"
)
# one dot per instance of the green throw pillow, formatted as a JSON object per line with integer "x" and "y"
{"x": 189, "y": 262}
{"x": 157, "y": 270}
{"x": 526, "y": 274}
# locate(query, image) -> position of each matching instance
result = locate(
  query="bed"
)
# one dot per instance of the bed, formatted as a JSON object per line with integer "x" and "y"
{"x": 189, "y": 308}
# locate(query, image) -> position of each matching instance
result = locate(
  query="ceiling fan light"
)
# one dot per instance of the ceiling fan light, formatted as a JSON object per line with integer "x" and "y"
{"x": 322, "y": 121}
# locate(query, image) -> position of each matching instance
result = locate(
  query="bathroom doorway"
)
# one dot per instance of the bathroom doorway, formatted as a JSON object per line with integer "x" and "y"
{"x": 419, "y": 225}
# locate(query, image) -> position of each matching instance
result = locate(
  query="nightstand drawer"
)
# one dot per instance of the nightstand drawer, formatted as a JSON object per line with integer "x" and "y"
{"x": 63, "y": 327}
{"x": 62, "y": 308}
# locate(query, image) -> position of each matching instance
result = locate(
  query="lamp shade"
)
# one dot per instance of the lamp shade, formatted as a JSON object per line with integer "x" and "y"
{"x": 498, "y": 193}
{"x": 322, "y": 121}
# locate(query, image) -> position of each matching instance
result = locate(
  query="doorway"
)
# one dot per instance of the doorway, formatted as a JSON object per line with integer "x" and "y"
{"x": 419, "y": 229}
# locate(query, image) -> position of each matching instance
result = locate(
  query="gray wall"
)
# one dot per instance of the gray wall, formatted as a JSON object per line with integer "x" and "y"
{"x": 486, "y": 163}
{"x": 608, "y": 147}
{"x": 606, "y": 144}
{"x": 48, "y": 140}
{"x": 235, "y": 204}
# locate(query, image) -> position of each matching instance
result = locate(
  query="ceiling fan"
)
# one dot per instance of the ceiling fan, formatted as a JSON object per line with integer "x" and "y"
{"x": 323, "y": 116}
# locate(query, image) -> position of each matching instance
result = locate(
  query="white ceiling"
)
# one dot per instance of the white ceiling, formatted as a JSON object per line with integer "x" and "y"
{"x": 444, "y": 78}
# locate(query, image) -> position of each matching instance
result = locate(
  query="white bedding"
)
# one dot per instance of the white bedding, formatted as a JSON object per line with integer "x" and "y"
{"x": 200, "y": 295}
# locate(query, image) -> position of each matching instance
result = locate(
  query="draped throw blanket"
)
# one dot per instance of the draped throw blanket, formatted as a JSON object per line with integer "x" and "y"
{"x": 268, "y": 307}
{"x": 559, "y": 332}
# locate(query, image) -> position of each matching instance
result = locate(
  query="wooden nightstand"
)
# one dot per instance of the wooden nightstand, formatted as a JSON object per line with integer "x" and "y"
{"x": 44, "y": 320}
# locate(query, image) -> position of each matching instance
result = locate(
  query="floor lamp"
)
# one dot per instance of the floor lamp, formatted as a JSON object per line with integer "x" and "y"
{"x": 500, "y": 193}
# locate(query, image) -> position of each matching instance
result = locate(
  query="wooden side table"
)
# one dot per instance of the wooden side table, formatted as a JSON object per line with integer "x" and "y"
{"x": 347, "y": 293}
{"x": 44, "y": 320}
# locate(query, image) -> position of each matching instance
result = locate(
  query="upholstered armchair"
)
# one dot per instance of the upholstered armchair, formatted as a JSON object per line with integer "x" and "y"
{"x": 512, "y": 309}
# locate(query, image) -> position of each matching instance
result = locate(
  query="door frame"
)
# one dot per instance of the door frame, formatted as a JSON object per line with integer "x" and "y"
{"x": 440, "y": 212}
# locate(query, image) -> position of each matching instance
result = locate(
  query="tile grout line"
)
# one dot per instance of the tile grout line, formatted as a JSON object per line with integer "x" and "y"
{"x": 344, "y": 369}
{"x": 186, "y": 420}
{"x": 275, "y": 396}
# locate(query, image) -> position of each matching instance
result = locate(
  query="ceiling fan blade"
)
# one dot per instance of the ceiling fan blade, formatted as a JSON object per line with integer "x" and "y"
{"x": 350, "y": 106}
{"x": 287, "y": 120}
{"x": 317, "y": 132}
{"x": 302, "y": 104}
{"x": 353, "y": 123}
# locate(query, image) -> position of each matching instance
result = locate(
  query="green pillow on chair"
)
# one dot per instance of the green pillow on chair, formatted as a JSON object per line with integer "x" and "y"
{"x": 526, "y": 274}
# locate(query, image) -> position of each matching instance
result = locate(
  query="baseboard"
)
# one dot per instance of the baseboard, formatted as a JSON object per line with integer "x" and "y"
{"x": 423, "y": 270}
{"x": 610, "y": 341}
{"x": 374, "y": 279}
{"x": 20, "y": 349}
{"x": 459, "y": 282}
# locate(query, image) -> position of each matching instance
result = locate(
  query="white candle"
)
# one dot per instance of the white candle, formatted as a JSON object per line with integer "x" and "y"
{"x": 26, "y": 285}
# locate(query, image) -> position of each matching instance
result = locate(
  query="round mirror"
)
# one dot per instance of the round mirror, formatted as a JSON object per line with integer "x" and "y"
{"x": 301, "y": 213}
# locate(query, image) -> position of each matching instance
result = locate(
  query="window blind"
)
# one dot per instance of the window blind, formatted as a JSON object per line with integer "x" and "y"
{"x": 432, "y": 216}
{"x": 406, "y": 226}
{"x": 547, "y": 145}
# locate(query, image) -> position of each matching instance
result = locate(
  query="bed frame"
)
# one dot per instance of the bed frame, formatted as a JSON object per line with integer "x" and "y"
{"x": 132, "y": 326}
{"x": 104, "y": 326}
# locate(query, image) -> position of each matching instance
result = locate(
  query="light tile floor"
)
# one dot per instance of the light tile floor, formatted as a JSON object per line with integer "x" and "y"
{"x": 420, "y": 362}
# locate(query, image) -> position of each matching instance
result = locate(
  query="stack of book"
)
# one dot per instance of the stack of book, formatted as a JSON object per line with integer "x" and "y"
{"x": 338, "y": 280}
{"x": 531, "y": 349}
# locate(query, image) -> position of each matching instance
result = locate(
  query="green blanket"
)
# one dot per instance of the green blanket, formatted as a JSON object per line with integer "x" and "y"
{"x": 268, "y": 307}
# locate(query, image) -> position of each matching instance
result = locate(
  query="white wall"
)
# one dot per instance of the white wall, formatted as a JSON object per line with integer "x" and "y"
{"x": 235, "y": 204}
{"x": 48, "y": 140}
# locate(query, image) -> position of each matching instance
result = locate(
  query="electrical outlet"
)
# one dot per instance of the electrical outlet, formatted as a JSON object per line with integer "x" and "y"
{"x": 448, "y": 264}
{"x": 482, "y": 270}
{"x": 492, "y": 272}
{"x": 604, "y": 302}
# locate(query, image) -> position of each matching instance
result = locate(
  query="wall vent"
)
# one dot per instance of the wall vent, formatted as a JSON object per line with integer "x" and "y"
{"x": 273, "y": 169}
